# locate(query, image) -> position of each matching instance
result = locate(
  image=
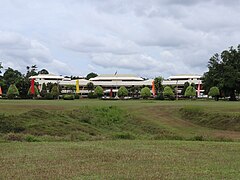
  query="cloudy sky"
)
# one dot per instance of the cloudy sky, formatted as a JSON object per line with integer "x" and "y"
{"x": 144, "y": 37}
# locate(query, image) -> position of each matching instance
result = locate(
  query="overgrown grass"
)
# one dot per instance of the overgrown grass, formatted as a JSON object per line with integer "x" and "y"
{"x": 98, "y": 120}
{"x": 120, "y": 160}
{"x": 218, "y": 120}
{"x": 86, "y": 123}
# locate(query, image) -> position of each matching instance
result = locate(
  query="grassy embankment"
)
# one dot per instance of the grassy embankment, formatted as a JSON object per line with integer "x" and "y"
{"x": 27, "y": 120}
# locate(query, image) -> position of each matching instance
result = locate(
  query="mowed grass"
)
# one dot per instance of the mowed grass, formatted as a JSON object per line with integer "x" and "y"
{"x": 120, "y": 160}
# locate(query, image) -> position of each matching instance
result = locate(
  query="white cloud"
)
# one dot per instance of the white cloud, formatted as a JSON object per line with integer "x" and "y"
{"x": 17, "y": 51}
{"x": 149, "y": 37}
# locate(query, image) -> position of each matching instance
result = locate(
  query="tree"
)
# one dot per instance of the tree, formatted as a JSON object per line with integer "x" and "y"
{"x": 55, "y": 91}
{"x": 43, "y": 71}
{"x": 44, "y": 90}
{"x": 186, "y": 84}
{"x": 214, "y": 92}
{"x": 168, "y": 92}
{"x": 98, "y": 91}
{"x": 1, "y": 67}
{"x": 158, "y": 84}
{"x": 91, "y": 75}
{"x": 224, "y": 72}
{"x": 12, "y": 91}
{"x": 70, "y": 87}
{"x": 36, "y": 92}
{"x": 190, "y": 92}
{"x": 122, "y": 91}
{"x": 12, "y": 76}
{"x": 31, "y": 71}
{"x": 145, "y": 92}
{"x": 90, "y": 86}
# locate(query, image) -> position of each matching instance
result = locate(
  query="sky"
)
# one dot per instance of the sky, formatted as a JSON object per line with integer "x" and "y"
{"x": 148, "y": 38}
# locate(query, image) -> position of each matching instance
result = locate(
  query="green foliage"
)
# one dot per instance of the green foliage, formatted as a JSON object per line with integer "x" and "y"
{"x": 68, "y": 97}
{"x": 186, "y": 84}
{"x": 44, "y": 90}
{"x": 90, "y": 86}
{"x": 91, "y": 75}
{"x": 224, "y": 72}
{"x": 49, "y": 96}
{"x": 70, "y": 87}
{"x": 145, "y": 92}
{"x": 98, "y": 91}
{"x": 168, "y": 92}
{"x": 160, "y": 96}
{"x": 91, "y": 95}
{"x": 55, "y": 91}
{"x": 190, "y": 92}
{"x": 122, "y": 91}
{"x": 214, "y": 91}
{"x": 158, "y": 84}
{"x": 43, "y": 71}
{"x": 36, "y": 92}
{"x": 12, "y": 91}
{"x": 76, "y": 96}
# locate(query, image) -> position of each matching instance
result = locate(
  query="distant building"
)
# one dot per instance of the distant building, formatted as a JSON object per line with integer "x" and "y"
{"x": 112, "y": 82}
{"x": 178, "y": 82}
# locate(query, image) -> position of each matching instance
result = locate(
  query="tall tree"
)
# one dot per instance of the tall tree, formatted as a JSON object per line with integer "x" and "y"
{"x": 90, "y": 86}
{"x": 224, "y": 72}
{"x": 186, "y": 84}
{"x": 158, "y": 84}
{"x": 91, "y": 75}
{"x": 43, "y": 71}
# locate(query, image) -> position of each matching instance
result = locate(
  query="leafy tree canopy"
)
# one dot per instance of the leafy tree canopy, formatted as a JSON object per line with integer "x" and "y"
{"x": 224, "y": 72}
{"x": 190, "y": 91}
{"x": 186, "y": 84}
{"x": 158, "y": 84}
{"x": 91, "y": 75}
{"x": 122, "y": 91}
{"x": 12, "y": 91}
{"x": 168, "y": 91}
{"x": 145, "y": 92}
{"x": 90, "y": 86}
{"x": 43, "y": 71}
{"x": 98, "y": 91}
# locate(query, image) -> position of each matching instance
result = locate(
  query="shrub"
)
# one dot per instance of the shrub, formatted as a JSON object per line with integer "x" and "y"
{"x": 145, "y": 92}
{"x": 49, "y": 96}
{"x": 76, "y": 96}
{"x": 43, "y": 92}
{"x": 214, "y": 92}
{"x": 91, "y": 95}
{"x": 190, "y": 92}
{"x": 168, "y": 92}
{"x": 31, "y": 138}
{"x": 98, "y": 91}
{"x": 55, "y": 91}
{"x": 68, "y": 97}
{"x": 159, "y": 96}
{"x": 36, "y": 92}
{"x": 12, "y": 91}
{"x": 122, "y": 91}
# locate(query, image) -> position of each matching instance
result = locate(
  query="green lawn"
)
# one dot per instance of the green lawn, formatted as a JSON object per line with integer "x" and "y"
{"x": 120, "y": 160}
{"x": 81, "y": 139}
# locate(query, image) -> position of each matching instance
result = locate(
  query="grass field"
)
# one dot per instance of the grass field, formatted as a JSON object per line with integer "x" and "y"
{"x": 120, "y": 160}
{"x": 82, "y": 139}
{"x": 143, "y": 119}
